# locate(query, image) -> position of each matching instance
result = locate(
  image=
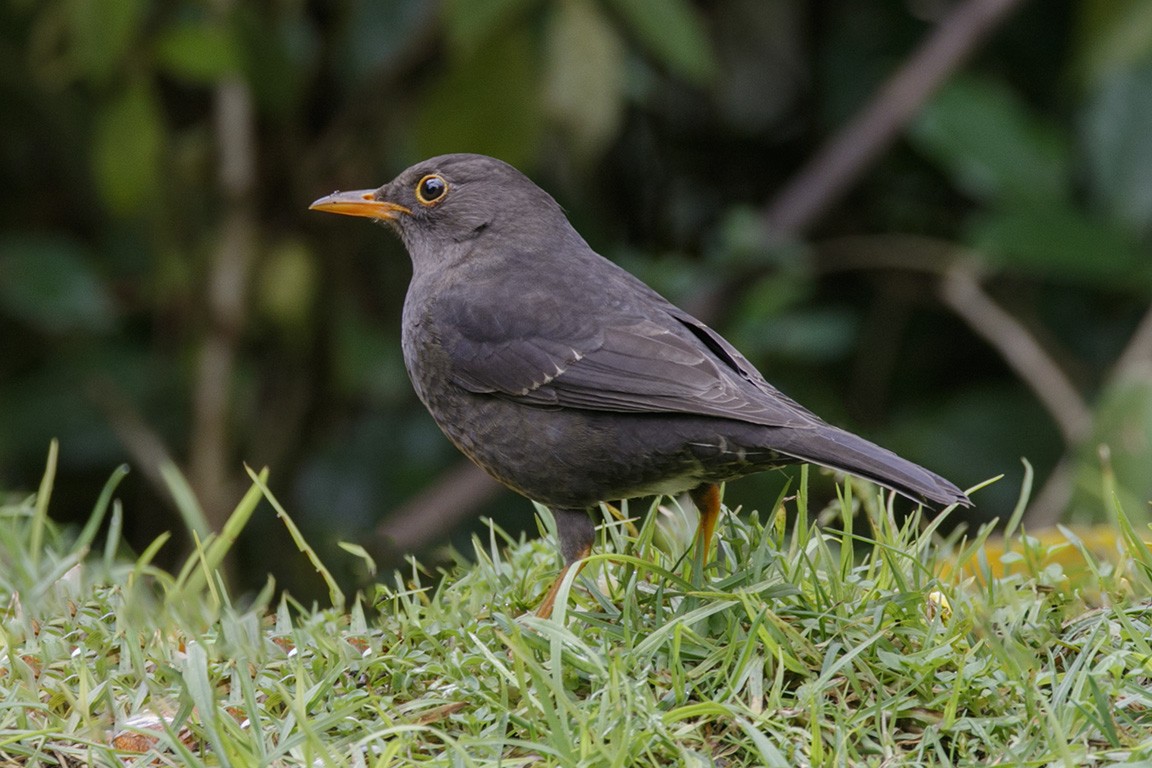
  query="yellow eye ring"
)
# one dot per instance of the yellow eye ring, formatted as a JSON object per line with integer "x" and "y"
{"x": 431, "y": 189}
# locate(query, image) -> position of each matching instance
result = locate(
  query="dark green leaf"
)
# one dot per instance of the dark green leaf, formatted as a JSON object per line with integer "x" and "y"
{"x": 279, "y": 56}
{"x": 675, "y": 275}
{"x": 1118, "y": 144}
{"x": 48, "y": 284}
{"x": 992, "y": 144}
{"x": 45, "y": 406}
{"x": 103, "y": 34}
{"x": 286, "y": 288}
{"x": 472, "y": 22}
{"x": 488, "y": 102}
{"x": 742, "y": 242}
{"x": 1060, "y": 242}
{"x": 812, "y": 335}
{"x": 365, "y": 360}
{"x": 200, "y": 52}
{"x": 1004, "y": 420}
{"x": 673, "y": 33}
{"x": 126, "y": 150}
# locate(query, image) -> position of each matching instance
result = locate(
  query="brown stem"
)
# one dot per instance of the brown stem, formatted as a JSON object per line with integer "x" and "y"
{"x": 963, "y": 293}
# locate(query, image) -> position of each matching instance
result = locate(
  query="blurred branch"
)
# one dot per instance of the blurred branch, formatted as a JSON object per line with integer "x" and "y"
{"x": 1047, "y": 506}
{"x": 1053, "y": 498}
{"x": 1050, "y": 503}
{"x": 818, "y": 185}
{"x": 963, "y": 293}
{"x": 894, "y": 251}
{"x": 456, "y": 494}
{"x": 228, "y": 280}
{"x": 841, "y": 161}
{"x": 844, "y": 158}
{"x": 1138, "y": 353}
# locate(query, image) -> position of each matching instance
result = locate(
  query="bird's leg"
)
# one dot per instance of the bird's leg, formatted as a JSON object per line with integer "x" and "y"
{"x": 576, "y": 532}
{"x": 706, "y": 497}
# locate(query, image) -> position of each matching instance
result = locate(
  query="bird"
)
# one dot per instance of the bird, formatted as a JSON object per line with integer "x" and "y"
{"x": 571, "y": 381}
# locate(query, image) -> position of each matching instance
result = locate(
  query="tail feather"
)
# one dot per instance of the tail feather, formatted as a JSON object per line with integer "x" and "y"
{"x": 831, "y": 447}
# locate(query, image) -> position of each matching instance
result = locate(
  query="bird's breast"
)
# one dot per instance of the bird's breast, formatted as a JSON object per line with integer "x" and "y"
{"x": 420, "y": 344}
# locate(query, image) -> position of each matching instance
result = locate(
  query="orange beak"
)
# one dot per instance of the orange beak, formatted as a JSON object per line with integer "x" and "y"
{"x": 360, "y": 202}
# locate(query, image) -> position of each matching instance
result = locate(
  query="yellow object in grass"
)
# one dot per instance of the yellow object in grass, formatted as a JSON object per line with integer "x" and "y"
{"x": 1062, "y": 553}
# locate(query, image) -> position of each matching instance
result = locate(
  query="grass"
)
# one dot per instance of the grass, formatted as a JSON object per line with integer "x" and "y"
{"x": 830, "y": 637}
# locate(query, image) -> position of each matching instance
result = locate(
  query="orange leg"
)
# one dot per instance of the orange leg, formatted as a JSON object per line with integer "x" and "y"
{"x": 577, "y": 532}
{"x": 706, "y": 497}
{"x": 544, "y": 610}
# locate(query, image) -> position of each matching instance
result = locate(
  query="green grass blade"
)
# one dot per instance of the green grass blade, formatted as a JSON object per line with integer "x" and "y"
{"x": 335, "y": 594}
{"x": 43, "y": 496}
{"x": 187, "y": 505}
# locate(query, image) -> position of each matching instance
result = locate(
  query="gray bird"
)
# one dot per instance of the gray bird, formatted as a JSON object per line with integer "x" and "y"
{"x": 571, "y": 381}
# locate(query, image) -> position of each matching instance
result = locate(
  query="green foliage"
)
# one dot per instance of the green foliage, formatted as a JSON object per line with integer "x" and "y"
{"x": 487, "y": 102}
{"x": 1114, "y": 461}
{"x": 198, "y": 51}
{"x": 1061, "y": 243}
{"x": 673, "y": 33}
{"x": 855, "y": 640}
{"x": 50, "y": 284}
{"x": 993, "y": 146}
{"x": 101, "y": 36}
{"x": 469, "y": 23}
{"x": 286, "y": 290}
{"x": 1031, "y": 220}
{"x": 127, "y": 149}
{"x": 1118, "y": 153}
{"x": 280, "y": 54}
{"x": 1114, "y": 36}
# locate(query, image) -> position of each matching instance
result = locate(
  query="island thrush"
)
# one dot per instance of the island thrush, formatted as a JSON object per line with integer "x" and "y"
{"x": 568, "y": 379}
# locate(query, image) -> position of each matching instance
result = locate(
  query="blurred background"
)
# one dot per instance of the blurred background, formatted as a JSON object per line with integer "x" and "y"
{"x": 928, "y": 220}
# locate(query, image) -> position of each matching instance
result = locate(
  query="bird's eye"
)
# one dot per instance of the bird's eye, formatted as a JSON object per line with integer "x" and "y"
{"x": 431, "y": 189}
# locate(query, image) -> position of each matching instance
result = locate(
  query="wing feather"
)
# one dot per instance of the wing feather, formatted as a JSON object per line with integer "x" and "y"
{"x": 660, "y": 360}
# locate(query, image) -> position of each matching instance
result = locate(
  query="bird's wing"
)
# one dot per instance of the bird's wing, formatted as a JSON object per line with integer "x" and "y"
{"x": 656, "y": 360}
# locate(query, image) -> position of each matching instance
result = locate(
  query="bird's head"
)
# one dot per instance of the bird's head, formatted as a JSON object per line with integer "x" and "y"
{"x": 443, "y": 204}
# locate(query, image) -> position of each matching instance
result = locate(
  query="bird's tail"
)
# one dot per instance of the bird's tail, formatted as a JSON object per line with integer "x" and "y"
{"x": 831, "y": 447}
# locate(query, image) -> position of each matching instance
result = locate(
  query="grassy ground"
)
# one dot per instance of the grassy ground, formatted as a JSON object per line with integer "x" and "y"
{"x": 830, "y": 641}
